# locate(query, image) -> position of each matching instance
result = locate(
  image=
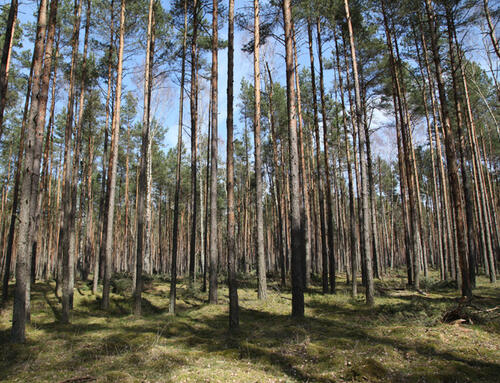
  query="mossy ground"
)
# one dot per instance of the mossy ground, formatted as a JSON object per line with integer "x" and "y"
{"x": 400, "y": 339}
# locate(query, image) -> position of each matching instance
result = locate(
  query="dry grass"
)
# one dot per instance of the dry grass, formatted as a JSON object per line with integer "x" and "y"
{"x": 401, "y": 339}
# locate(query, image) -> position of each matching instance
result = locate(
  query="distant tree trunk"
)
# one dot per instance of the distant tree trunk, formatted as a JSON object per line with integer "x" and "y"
{"x": 352, "y": 213}
{"x": 322, "y": 230}
{"x": 278, "y": 175}
{"x": 103, "y": 198}
{"x": 451, "y": 157}
{"x": 29, "y": 189}
{"x": 297, "y": 229}
{"x": 143, "y": 183}
{"x": 175, "y": 233}
{"x": 213, "y": 266}
{"x": 6, "y": 55}
{"x": 328, "y": 187}
{"x": 261, "y": 264}
{"x": 481, "y": 197}
{"x": 366, "y": 222}
{"x": 113, "y": 159}
{"x": 231, "y": 235}
{"x": 67, "y": 228}
{"x": 79, "y": 127}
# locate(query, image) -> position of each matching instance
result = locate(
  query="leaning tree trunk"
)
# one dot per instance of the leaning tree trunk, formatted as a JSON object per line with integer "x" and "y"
{"x": 6, "y": 55}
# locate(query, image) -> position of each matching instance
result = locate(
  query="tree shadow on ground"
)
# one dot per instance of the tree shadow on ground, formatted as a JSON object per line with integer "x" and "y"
{"x": 304, "y": 350}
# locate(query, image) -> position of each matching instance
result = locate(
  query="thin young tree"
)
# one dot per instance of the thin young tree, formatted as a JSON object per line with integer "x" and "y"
{"x": 113, "y": 160}
{"x": 365, "y": 208}
{"x": 143, "y": 184}
{"x": 175, "y": 228}
{"x": 213, "y": 262}
{"x": 261, "y": 262}
{"x": 231, "y": 235}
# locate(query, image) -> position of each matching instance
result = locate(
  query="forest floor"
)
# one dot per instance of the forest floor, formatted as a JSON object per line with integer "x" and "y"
{"x": 401, "y": 339}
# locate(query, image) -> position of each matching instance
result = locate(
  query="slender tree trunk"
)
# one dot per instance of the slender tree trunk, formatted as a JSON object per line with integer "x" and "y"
{"x": 352, "y": 214}
{"x": 6, "y": 55}
{"x": 261, "y": 265}
{"x": 113, "y": 159}
{"x": 297, "y": 229}
{"x": 491, "y": 29}
{"x": 67, "y": 228}
{"x": 175, "y": 233}
{"x": 231, "y": 235}
{"x": 323, "y": 224}
{"x": 364, "y": 176}
{"x": 329, "y": 199}
{"x": 213, "y": 265}
{"x": 194, "y": 128}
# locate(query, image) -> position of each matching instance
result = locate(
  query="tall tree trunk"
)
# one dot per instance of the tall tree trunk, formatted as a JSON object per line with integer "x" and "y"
{"x": 322, "y": 230}
{"x": 451, "y": 157}
{"x": 29, "y": 189}
{"x": 231, "y": 235}
{"x": 194, "y": 128}
{"x": 328, "y": 187}
{"x": 302, "y": 170}
{"x": 297, "y": 229}
{"x": 67, "y": 228}
{"x": 278, "y": 177}
{"x": 175, "y": 233}
{"x": 113, "y": 159}
{"x": 261, "y": 264}
{"x": 213, "y": 266}
{"x": 366, "y": 222}
{"x": 352, "y": 213}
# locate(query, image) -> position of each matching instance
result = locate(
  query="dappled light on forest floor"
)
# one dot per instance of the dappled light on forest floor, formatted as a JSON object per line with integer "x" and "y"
{"x": 401, "y": 339}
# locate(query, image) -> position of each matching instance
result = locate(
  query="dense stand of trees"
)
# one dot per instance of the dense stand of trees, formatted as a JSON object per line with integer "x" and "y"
{"x": 89, "y": 190}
